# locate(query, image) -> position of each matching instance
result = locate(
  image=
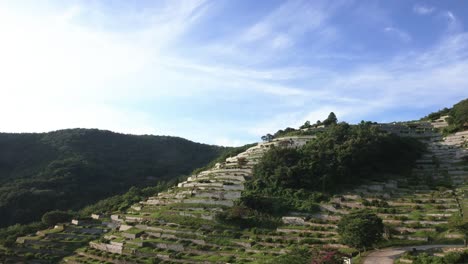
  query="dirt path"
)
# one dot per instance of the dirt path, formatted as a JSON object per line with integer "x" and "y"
{"x": 388, "y": 255}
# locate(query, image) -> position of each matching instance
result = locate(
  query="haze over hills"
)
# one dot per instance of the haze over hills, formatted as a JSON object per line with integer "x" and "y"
{"x": 69, "y": 169}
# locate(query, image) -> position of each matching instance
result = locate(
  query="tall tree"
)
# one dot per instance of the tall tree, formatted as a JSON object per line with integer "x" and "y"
{"x": 305, "y": 125}
{"x": 331, "y": 120}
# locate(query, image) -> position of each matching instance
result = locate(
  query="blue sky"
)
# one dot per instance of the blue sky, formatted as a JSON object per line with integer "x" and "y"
{"x": 226, "y": 72}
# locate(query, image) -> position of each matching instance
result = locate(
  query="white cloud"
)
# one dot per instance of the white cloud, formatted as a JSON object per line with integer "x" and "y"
{"x": 274, "y": 123}
{"x": 402, "y": 35}
{"x": 281, "y": 41}
{"x": 256, "y": 32}
{"x": 225, "y": 141}
{"x": 50, "y": 58}
{"x": 423, "y": 10}
{"x": 453, "y": 24}
{"x": 450, "y": 16}
{"x": 289, "y": 21}
{"x": 345, "y": 111}
{"x": 267, "y": 81}
{"x": 42, "y": 117}
{"x": 411, "y": 80}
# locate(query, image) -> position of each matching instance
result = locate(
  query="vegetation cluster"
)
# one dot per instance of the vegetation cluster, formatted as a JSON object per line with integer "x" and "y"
{"x": 341, "y": 156}
{"x": 114, "y": 204}
{"x": 360, "y": 229}
{"x": 310, "y": 256}
{"x": 457, "y": 117}
{"x": 449, "y": 258}
{"x": 306, "y": 129}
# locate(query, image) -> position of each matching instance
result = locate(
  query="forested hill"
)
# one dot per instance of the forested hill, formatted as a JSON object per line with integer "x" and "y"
{"x": 68, "y": 169}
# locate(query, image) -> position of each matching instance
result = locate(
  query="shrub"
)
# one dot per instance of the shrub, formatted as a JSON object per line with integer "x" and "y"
{"x": 54, "y": 217}
{"x": 360, "y": 229}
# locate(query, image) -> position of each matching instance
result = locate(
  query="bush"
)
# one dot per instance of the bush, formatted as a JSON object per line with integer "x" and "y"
{"x": 9, "y": 234}
{"x": 244, "y": 217}
{"x": 303, "y": 255}
{"x": 54, "y": 217}
{"x": 360, "y": 229}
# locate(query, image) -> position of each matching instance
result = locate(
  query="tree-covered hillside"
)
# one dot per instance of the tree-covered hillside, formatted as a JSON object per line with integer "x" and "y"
{"x": 339, "y": 157}
{"x": 69, "y": 169}
{"x": 457, "y": 117}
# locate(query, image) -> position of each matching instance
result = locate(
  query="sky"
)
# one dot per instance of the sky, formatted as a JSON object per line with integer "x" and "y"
{"x": 226, "y": 72}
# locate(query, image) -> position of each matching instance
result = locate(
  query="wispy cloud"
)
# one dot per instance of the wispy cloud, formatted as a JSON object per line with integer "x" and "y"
{"x": 50, "y": 58}
{"x": 138, "y": 71}
{"x": 453, "y": 23}
{"x": 407, "y": 81}
{"x": 281, "y": 41}
{"x": 287, "y": 21}
{"x": 423, "y": 9}
{"x": 285, "y": 26}
{"x": 402, "y": 35}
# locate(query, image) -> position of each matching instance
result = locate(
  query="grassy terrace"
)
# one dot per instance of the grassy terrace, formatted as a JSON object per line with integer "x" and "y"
{"x": 199, "y": 241}
{"x": 463, "y": 192}
{"x": 50, "y": 245}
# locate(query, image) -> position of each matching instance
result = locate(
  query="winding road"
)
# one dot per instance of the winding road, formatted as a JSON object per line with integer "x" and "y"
{"x": 388, "y": 255}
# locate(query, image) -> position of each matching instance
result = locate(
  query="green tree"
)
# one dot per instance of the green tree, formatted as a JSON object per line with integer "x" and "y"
{"x": 360, "y": 229}
{"x": 267, "y": 137}
{"x": 331, "y": 120}
{"x": 459, "y": 114}
{"x": 436, "y": 115}
{"x": 53, "y": 217}
{"x": 306, "y": 125}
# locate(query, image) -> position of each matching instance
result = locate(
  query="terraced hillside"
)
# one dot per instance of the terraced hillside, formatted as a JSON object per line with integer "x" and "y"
{"x": 51, "y": 245}
{"x": 180, "y": 225}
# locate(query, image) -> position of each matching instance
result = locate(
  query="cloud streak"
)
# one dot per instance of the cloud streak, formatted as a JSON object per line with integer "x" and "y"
{"x": 402, "y": 35}
{"x": 423, "y": 10}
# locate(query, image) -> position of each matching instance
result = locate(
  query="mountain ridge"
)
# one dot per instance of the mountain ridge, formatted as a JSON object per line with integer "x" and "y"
{"x": 99, "y": 162}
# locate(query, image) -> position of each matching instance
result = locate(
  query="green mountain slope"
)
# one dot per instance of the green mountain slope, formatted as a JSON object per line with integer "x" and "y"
{"x": 69, "y": 169}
